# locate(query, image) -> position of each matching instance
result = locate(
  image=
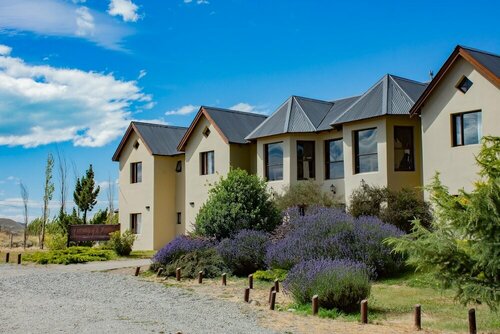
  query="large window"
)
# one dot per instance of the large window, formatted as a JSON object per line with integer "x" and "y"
{"x": 334, "y": 158}
{"x": 274, "y": 161}
{"x": 305, "y": 160}
{"x": 467, "y": 128}
{"x": 207, "y": 164}
{"x": 403, "y": 149}
{"x": 136, "y": 172}
{"x": 365, "y": 151}
{"x": 136, "y": 223}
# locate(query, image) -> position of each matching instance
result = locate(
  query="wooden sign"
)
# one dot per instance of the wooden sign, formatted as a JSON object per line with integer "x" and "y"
{"x": 98, "y": 232}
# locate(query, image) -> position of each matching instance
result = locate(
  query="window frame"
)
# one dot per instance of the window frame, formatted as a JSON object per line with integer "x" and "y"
{"x": 412, "y": 150}
{"x": 134, "y": 227}
{"x": 308, "y": 142}
{"x": 204, "y": 157}
{"x": 266, "y": 161}
{"x": 328, "y": 163}
{"x": 460, "y": 115}
{"x": 134, "y": 175}
{"x": 356, "y": 151}
{"x": 464, "y": 80}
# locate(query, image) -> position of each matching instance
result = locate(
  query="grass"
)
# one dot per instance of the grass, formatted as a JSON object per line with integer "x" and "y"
{"x": 70, "y": 255}
{"x": 142, "y": 254}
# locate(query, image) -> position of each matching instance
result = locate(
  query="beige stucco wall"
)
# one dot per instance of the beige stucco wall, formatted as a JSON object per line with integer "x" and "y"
{"x": 180, "y": 196}
{"x": 456, "y": 164}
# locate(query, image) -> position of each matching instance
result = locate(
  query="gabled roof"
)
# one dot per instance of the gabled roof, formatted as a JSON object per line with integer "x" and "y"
{"x": 300, "y": 114}
{"x": 488, "y": 64}
{"x": 391, "y": 95}
{"x": 233, "y": 126}
{"x": 158, "y": 139}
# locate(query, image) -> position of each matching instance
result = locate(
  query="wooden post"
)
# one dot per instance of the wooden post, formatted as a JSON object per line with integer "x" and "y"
{"x": 364, "y": 311}
{"x": 200, "y": 276}
{"x": 19, "y": 258}
{"x": 160, "y": 271}
{"x": 315, "y": 305}
{"x": 7, "y": 256}
{"x": 277, "y": 285}
{"x": 270, "y": 294}
{"x": 178, "y": 274}
{"x": 247, "y": 295}
{"x": 137, "y": 271}
{"x": 273, "y": 300}
{"x": 224, "y": 279}
{"x": 250, "y": 281}
{"x": 11, "y": 239}
{"x": 472, "y": 321}
{"x": 418, "y": 317}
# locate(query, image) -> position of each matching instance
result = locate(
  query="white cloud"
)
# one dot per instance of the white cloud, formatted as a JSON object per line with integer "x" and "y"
{"x": 124, "y": 8}
{"x": 5, "y": 50}
{"x": 242, "y": 106}
{"x": 62, "y": 18}
{"x": 142, "y": 74}
{"x": 97, "y": 107}
{"x": 184, "y": 110}
{"x": 199, "y": 2}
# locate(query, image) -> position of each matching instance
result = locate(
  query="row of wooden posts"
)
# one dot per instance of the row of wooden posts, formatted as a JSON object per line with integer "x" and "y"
{"x": 7, "y": 258}
{"x": 315, "y": 299}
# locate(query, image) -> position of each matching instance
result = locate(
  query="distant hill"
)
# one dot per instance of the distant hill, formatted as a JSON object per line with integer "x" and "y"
{"x": 11, "y": 226}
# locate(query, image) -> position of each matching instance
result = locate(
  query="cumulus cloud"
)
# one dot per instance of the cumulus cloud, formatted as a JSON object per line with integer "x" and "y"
{"x": 42, "y": 104}
{"x": 124, "y": 8}
{"x": 246, "y": 107}
{"x": 5, "y": 50}
{"x": 184, "y": 110}
{"x": 62, "y": 18}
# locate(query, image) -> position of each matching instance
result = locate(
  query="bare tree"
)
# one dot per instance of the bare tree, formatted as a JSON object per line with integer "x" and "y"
{"x": 47, "y": 197}
{"x": 111, "y": 199}
{"x": 25, "y": 197}
{"x": 62, "y": 167}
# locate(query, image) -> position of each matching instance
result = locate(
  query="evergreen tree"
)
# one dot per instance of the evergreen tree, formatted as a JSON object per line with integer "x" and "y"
{"x": 47, "y": 196}
{"x": 85, "y": 195}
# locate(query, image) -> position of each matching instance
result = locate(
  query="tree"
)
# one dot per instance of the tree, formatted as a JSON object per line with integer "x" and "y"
{"x": 25, "y": 197}
{"x": 462, "y": 246}
{"x": 304, "y": 194}
{"x": 47, "y": 196}
{"x": 62, "y": 167}
{"x": 111, "y": 200}
{"x": 239, "y": 201}
{"x": 86, "y": 193}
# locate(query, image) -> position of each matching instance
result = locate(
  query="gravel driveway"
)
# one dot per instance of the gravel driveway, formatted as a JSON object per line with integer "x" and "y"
{"x": 46, "y": 300}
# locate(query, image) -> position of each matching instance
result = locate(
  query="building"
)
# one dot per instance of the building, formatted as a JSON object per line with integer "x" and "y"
{"x": 396, "y": 134}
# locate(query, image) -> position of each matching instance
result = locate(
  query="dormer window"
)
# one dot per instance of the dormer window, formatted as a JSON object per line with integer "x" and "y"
{"x": 136, "y": 144}
{"x": 206, "y": 132}
{"x": 464, "y": 84}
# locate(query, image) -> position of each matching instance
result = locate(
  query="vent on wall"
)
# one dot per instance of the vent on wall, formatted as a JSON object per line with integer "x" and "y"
{"x": 464, "y": 84}
{"x": 136, "y": 145}
{"x": 206, "y": 132}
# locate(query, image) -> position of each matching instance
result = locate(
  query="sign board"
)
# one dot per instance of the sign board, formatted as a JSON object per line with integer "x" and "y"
{"x": 98, "y": 232}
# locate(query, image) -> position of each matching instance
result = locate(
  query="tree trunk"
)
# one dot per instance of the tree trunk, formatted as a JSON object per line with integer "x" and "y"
{"x": 84, "y": 217}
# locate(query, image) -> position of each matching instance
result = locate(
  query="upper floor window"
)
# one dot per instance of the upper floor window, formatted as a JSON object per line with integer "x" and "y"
{"x": 365, "y": 151}
{"x": 305, "y": 160}
{"x": 464, "y": 84}
{"x": 334, "y": 158}
{"x": 136, "y": 223}
{"x": 207, "y": 163}
{"x": 274, "y": 161}
{"x": 403, "y": 149}
{"x": 467, "y": 128}
{"x": 136, "y": 172}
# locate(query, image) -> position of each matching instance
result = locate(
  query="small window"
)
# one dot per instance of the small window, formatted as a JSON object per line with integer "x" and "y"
{"x": 274, "y": 161}
{"x": 206, "y": 132}
{"x": 179, "y": 218}
{"x": 136, "y": 145}
{"x": 178, "y": 167}
{"x": 306, "y": 166}
{"x": 136, "y": 223}
{"x": 365, "y": 151}
{"x": 334, "y": 158}
{"x": 207, "y": 164}
{"x": 403, "y": 149}
{"x": 467, "y": 128}
{"x": 464, "y": 84}
{"x": 136, "y": 172}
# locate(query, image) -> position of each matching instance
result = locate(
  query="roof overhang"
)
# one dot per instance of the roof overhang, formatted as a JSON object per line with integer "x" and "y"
{"x": 131, "y": 128}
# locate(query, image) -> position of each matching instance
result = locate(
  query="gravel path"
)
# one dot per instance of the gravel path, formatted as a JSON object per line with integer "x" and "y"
{"x": 44, "y": 300}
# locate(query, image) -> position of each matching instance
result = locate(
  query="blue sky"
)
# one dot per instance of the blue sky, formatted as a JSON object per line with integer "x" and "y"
{"x": 73, "y": 73}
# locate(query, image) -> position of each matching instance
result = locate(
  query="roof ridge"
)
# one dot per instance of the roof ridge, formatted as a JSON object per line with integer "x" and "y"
{"x": 159, "y": 125}
{"x": 345, "y": 98}
{"x": 235, "y": 111}
{"x": 406, "y": 79}
{"x": 312, "y": 99}
{"x": 303, "y": 112}
{"x": 401, "y": 88}
{"x": 480, "y": 51}
{"x": 269, "y": 117}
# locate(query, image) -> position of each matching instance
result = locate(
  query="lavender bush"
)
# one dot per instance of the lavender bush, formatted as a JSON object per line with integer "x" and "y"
{"x": 325, "y": 233}
{"x": 179, "y": 246}
{"x": 339, "y": 284}
{"x": 244, "y": 253}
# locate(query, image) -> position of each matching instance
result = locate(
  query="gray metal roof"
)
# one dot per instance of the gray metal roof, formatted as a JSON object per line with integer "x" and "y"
{"x": 391, "y": 95}
{"x": 161, "y": 139}
{"x": 235, "y": 125}
{"x": 489, "y": 60}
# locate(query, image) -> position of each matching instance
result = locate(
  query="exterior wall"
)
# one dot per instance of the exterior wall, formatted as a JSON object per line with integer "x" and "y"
{"x": 135, "y": 197}
{"x": 180, "y": 196}
{"x": 456, "y": 165}
{"x": 241, "y": 156}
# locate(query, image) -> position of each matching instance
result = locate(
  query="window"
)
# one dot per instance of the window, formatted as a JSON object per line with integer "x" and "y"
{"x": 274, "y": 161}
{"x": 136, "y": 172}
{"x": 403, "y": 149}
{"x": 464, "y": 84}
{"x": 135, "y": 223}
{"x": 365, "y": 151}
{"x": 305, "y": 160}
{"x": 206, "y": 132}
{"x": 334, "y": 158}
{"x": 179, "y": 218}
{"x": 178, "y": 167}
{"x": 467, "y": 128}
{"x": 207, "y": 163}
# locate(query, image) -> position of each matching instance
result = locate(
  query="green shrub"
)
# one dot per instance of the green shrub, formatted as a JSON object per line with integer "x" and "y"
{"x": 56, "y": 241}
{"x": 70, "y": 255}
{"x": 238, "y": 201}
{"x": 270, "y": 275}
{"x": 304, "y": 194}
{"x": 207, "y": 260}
{"x": 122, "y": 244}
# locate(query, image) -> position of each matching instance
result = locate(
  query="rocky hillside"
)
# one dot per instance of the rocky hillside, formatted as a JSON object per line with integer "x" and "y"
{"x": 11, "y": 226}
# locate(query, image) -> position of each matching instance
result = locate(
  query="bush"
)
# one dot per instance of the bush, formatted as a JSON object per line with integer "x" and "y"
{"x": 245, "y": 252}
{"x": 270, "y": 275}
{"x": 179, "y": 246}
{"x": 122, "y": 244}
{"x": 333, "y": 234}
{"x": 70, "y": 255}
{"x": 398, "y": 208}
{"x": 239, "y": 201}
{"x": 206, "y": 260}
{"x": 56, "y": 241}
{"x": 340, "y": 284}
{"x": 304, "y": 194}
